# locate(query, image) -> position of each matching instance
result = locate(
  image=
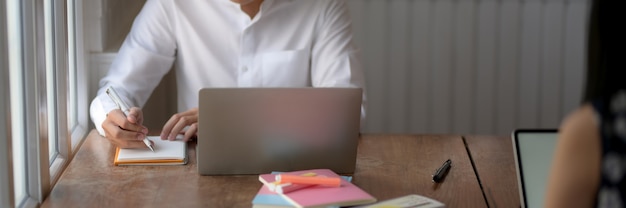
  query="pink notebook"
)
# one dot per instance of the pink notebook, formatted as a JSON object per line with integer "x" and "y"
{"x": 347, "y": 194}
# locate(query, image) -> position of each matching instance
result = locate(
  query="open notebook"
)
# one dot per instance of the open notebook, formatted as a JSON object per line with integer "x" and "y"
{"x": 165, "y": 153}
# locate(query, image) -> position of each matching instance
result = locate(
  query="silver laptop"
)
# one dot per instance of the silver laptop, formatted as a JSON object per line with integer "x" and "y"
{"x": 533, "y": 151}
{"x": 260, "y": 130}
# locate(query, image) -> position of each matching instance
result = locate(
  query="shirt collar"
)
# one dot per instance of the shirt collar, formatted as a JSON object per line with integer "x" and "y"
{"x": 266, "y": 5}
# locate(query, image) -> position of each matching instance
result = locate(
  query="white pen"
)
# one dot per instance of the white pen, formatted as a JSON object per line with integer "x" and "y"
{"x": 125, "y": 109}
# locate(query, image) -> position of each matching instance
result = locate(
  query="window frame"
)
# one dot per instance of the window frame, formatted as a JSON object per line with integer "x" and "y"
{"x": 77, "y": 61}
{"x": 56, "y": 66}
{"x": 65, "y": 27}
{"x": 6, "y": 166}
{"x": 43, "y": 68}
{"x": 35, "y": 102}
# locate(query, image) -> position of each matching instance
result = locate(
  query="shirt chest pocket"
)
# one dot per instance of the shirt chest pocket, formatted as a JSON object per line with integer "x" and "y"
{"x": 285, "y": 69}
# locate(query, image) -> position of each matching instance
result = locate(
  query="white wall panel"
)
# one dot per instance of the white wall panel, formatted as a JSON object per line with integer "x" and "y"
{"x": 474, "y": 66}
{"x": 508, "y": 48}
{"x": 529, "y": 74}
{"x": 551, "y": 62}
{"x": 441, "y": 68}
{"x": 574, "y": 56}
{"x": 398, "y": 65}
{"x": 487, "y": 56}
{"x": 464, "y": 62}
{"x": 420, "y": 56}
{"x": 375, "y": 60}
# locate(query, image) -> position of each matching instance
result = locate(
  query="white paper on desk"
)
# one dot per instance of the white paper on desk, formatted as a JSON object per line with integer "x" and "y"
{"x": 163, "y": 150}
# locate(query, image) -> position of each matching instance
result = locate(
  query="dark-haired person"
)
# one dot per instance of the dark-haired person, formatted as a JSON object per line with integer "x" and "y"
{"x": 589, "y": 166}
{"x": 224, "y": 43}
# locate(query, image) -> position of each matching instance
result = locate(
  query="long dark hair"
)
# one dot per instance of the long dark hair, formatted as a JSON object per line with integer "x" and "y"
{"x": 605, "y": 74}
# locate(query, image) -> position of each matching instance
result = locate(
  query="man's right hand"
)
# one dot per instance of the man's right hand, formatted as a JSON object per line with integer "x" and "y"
{"x": 125, "y": 132}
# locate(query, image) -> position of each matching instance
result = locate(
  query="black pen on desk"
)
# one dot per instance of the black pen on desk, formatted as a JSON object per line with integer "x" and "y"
{"x": 125, "y": 109}
{"x": 441, "y": 172}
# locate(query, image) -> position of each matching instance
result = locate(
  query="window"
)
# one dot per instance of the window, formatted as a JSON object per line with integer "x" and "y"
{"x": 67, "y": 121}
{"x": 45, "y": 115}
{"x": 51, "y": 81}
{"x": 55, "y": 58}
{"x": 16, "y": 97}
{"x": 78, "y": 102}
{"x": 6, "y": 173}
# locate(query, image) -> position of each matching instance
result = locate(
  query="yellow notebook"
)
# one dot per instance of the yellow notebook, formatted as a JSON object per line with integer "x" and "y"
{"x": 165, "y": 153}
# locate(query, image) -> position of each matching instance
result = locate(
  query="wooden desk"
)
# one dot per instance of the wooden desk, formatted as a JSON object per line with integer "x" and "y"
{"x": 495, "y": 164}
{"x": 387, "y": 166}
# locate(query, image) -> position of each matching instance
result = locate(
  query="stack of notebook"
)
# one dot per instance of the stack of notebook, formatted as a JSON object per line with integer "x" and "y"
{"x": 325, "y": 188}
{"x": 165, "y": 153}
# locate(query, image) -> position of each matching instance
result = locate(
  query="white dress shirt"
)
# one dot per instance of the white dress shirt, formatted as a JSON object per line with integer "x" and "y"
{"x": 289, "y": 43}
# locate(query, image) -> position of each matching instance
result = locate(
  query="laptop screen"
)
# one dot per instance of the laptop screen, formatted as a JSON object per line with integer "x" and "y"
{"x": 534, "y": 150}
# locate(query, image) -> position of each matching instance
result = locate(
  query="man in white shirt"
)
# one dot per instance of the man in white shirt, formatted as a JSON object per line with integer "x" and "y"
{"x": 224, "y": 43}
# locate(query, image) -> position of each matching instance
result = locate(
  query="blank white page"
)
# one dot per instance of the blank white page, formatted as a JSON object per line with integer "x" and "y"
{"x": 163, "y": 149}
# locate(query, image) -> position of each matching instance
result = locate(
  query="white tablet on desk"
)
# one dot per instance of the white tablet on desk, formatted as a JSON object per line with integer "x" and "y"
{"x": 533, "y": 149}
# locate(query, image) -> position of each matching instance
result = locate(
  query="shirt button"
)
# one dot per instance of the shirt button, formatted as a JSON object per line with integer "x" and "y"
{"x": 244, "y": 69}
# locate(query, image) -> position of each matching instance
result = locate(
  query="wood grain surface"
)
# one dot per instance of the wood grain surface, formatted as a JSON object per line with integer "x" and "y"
{"x": 495, "y": 165}
{"x": 388, "y": 166}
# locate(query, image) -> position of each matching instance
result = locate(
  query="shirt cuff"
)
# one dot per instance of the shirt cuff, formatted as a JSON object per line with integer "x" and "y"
{"x": 99, "y": 108}
{"x": 97, "y": 115}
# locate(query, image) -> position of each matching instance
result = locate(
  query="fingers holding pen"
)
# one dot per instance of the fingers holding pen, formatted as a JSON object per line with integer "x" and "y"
{"x": 118, "y": 118}
{"x": 123, "y": 126}
{"x": 128, "y": 144}
{"x": 121, "y": 137}
{"x": 135, "y": 116}
{"x": 121, "y": 132}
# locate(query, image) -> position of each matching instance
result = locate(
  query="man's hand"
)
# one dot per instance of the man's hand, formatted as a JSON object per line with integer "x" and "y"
{"x": 178, "y": 122}
{"x": 125, "y": 132}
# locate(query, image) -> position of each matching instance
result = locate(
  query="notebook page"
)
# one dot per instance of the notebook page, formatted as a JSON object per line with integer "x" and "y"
{"x": 163, "y": 149}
